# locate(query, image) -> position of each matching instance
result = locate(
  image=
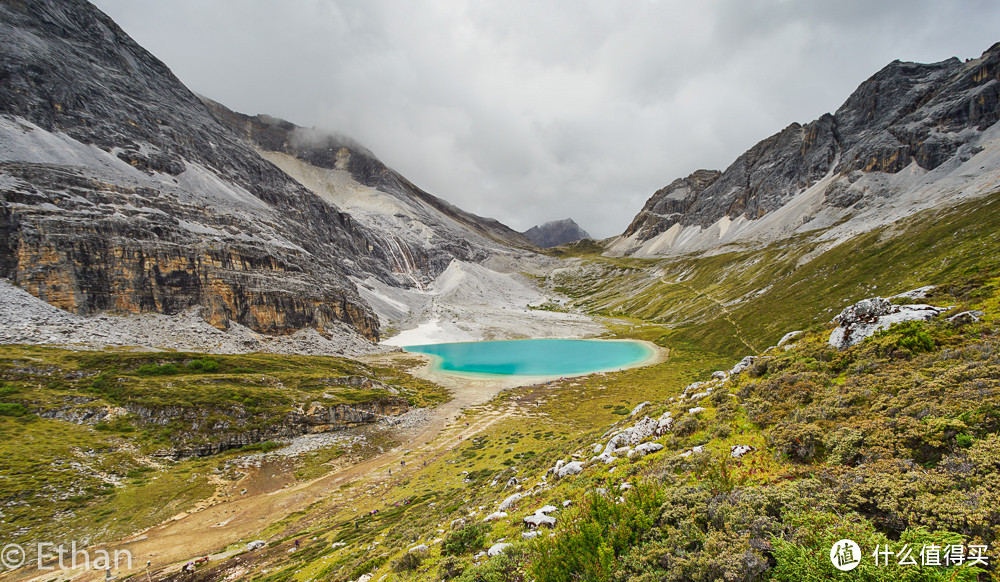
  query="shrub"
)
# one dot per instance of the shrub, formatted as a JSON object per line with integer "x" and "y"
{"x": 911, "y": 336}
{"x": 205, "y": 365}
{"x": 589, "y": 546}
{"x": 12, "y": 409}
{"x": 450, "y": 568}
{"x": 466, "y": 539}
{"x": 686, "y": 426}
{"x": 408, "y": 562}
{"x": 800, "y": 442}
{"x": 155, "y": 370}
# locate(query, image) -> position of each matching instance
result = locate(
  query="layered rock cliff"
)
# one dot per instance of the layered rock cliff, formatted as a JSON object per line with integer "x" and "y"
{"x": 845, "y": 167}
{"x": 119, "y": 191}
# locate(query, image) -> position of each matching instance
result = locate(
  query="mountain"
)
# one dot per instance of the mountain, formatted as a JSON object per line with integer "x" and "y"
{"x": 424, "y": 233}
{"x": 555, "y": 233}
{"x": 913, "y": 136}
{"x": 122, "y": 191}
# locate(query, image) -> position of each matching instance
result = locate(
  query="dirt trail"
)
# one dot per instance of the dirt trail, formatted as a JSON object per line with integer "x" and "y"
{"x": 208, "y": 530}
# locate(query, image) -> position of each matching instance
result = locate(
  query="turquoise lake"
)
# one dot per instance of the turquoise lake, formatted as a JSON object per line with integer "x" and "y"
{"x": 537, "y": 357}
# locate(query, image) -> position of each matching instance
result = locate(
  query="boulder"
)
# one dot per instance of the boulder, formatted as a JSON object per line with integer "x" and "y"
{"x": 527, "y": 535}
{"x": 458, "y": 523}
{"x": 598, "y": 448}
{"x": 510, "y": 501}
{"x": 719, "y": 375}
{"x": 255, "y": 545}
{"x": 419, "y": 549}
{"x": 742, "y": 365}
{"x": 495, "y": 516}
{"x": 546, "y": 509}
{"x": 864, "y": 318}
{"x": 738, "y": 451}
{"x": 788, "y": 337}
{"x": 918, "y": 293}
{"x": 696, "y": 409}
{"x": 647, "y": 448}
{"x": 497, "y": 549}
{"x": 540, "y": 519}
{"x": 570, "y": 469}
{"x": 639, "y": 408}
{"x": 965, "y": 317}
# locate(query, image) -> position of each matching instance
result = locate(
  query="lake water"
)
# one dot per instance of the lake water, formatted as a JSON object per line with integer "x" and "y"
{"x": 537, "y": 357}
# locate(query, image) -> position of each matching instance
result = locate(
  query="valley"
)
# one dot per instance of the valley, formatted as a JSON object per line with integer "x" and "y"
{"x": 203, "y": 316}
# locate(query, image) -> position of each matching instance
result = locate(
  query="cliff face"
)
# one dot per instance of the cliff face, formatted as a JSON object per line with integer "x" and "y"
{"x": 555, "y": 233}
{"x": 417, "y": 235}
{"x": 120, "y": 191}
{"x": 906, "y": 115}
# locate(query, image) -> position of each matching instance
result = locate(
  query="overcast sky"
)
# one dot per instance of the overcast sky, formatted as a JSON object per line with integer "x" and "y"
{"x": 528, "y": 110}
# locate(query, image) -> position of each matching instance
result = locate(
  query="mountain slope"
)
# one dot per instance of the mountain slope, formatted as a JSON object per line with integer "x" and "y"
{"x": 913, "y": 136}
{"x": 423, "y": 233}
{"x": 121, "y": 192}
{"x": 555, "y": 233}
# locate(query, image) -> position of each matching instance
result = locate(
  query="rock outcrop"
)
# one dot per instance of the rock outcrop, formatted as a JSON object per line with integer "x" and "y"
{"x": 864, "y": 318}
{"x": 555, "y": 233}
{"x": 908, "y": 115}
{"x": 120, "y": 192}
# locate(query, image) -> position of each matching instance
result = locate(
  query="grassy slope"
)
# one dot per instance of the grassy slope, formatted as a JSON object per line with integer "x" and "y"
{"x": 55, "y": 469}
{"x": 863, "y": 443}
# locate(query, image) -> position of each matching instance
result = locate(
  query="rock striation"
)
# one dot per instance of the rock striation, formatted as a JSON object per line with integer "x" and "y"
{"x": 120, "y": 192}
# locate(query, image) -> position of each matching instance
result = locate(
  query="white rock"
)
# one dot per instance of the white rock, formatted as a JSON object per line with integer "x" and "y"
{"x": 497, "y": 549}
{"x": 419, "y": 549}
{"x": 567, "y": 503}
{"x": 742, "y": 365}
{"x": 868, "y": 316}
{"x": 647, "y": 448}
{"x": 495, "y": 516}
{"x": 638, "y": 408}
{"x": 527, "y": 535}
{"x": 696, "y": 410}
{"x": 738, "y": 451}
{"x": 788, "y": 337}
{"x": 570, "y": 469}
{"x": 546, "y": 509}
{"x": 719, "y": 375}
{"x": 509, "y": 501}
{"x": 598, "y": 448}
{"x": 625, "y": 486}
{"x": 255, "y": 545}
{"x": 540, "y": 519}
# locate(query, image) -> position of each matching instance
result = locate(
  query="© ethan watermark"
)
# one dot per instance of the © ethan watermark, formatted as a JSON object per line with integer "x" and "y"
{"x": 49, "y": 556}
{"x": 846, "y": 555}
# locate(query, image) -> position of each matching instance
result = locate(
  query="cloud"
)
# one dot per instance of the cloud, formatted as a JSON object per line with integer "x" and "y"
{"x": 534, "y": 111}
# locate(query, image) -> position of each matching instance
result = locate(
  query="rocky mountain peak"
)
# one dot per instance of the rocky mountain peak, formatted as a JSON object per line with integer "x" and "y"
{"x": 555, "y": 233}
{"x": 929, "y": 116}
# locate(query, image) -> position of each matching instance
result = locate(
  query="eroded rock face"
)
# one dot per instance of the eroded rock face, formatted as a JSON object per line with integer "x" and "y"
{"x": 906, "y": 113}
{"x": 120, "y": 192}
{"x": 555, "y": 233}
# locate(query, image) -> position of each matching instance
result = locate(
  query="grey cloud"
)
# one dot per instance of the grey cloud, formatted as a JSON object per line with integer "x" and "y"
{"x": 533, "y": 111}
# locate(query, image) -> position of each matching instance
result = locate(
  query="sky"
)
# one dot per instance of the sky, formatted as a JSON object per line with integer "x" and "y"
{"x": 530, "y": 111}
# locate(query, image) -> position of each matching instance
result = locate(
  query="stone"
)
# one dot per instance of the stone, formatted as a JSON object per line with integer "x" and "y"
{"x": 737, "y": 451}
{"x": 527, "y": 535}
{"x": 570, "y": 469}
{"x": 538, "y": 519}
{"x": 966, "y": 317}
{"x": 647, "y": 448}
{"x": 868, "y": 316}
{"x": 788, "y": 337}
{"x": 497, "y": 549}
{"x": 419, "y": 549}
{"x": 495, "y": 516}
{"x": 638, "y": 408}
{"x": 256, "y": 545}
{"x": 719, "y": 375}
{"x": 742, "y": 365}
{"x": 510, "y": 501}
{"x": 696, "y": 410}
{"x": 546, "y": 509}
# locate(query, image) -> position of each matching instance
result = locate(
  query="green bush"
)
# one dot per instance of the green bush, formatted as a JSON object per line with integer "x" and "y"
{"x": 12, "y": 409}
{"x": 588, "y": 547}
{"x": 157, "y": 370}
{"x": 407, "y": 562}
{"x": 470, "y": 538}
{"x": 204, "y": 365}
{"x": 799, "y": 442}
{"x": 911, "y": 336}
